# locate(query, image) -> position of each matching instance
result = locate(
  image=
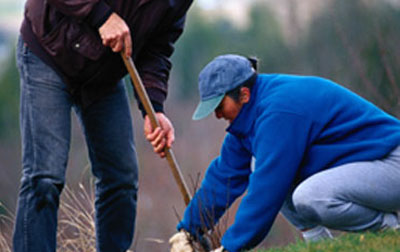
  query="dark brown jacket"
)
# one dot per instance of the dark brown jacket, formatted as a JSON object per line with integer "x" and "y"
{"x": 65, "y": 35}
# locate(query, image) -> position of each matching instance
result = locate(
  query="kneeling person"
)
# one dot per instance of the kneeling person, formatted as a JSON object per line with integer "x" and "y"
{"x": 323, "y": 156}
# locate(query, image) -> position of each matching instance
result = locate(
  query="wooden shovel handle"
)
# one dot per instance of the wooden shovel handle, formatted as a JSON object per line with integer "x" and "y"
{"x": 144, "y": 98}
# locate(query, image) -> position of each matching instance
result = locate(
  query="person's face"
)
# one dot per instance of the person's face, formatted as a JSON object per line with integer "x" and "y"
{"x": 228, "y": 109}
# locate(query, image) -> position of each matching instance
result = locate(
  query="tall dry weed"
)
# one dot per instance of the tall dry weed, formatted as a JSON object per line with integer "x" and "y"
{"x": 6, "y": 225}
{"x": 76, "y": 228}
{"x": 76, "y": 223}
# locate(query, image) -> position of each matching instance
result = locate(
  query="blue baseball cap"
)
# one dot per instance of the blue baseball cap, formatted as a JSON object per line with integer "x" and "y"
{"x": 221, "y": 75}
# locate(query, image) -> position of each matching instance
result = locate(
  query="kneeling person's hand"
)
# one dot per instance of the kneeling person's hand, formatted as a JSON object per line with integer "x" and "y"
{"x": 220, "y": 249}
{"x": 180, "y": 242}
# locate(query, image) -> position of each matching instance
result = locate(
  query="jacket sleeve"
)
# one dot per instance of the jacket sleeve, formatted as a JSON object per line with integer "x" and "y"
{"x": 225, "y": 180}
{"x": 95, "y": 12}
{"x": 279, "y": 145}
{"x": 153, "y": 62}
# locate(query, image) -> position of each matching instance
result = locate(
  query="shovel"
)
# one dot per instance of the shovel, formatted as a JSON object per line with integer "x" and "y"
{"x": 144, "y": 98}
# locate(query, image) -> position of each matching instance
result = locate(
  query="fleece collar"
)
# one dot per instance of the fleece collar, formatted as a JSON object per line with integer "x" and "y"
{"x": 244, "y": 121}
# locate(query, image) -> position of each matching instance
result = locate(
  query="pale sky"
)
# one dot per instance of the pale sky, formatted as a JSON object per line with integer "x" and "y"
{"x": 11, "y": 11}
{"x": 207, "y": 4}
{"x": 213, "y": 4}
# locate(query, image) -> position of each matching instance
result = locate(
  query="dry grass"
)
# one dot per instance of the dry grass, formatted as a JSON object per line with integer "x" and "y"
{"x": 4, "y": 243}
{"x": 6, "y": 225}
{"x": 76, "y": 228}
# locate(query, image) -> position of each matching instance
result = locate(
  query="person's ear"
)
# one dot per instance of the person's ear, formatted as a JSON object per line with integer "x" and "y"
{"x": 244, "y": 95}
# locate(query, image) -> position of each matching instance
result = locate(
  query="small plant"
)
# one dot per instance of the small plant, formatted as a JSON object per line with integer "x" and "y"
{"x": 211, "y": 239}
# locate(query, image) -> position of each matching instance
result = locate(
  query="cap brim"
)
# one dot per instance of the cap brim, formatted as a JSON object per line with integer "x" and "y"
{"x": 207, "y": 107}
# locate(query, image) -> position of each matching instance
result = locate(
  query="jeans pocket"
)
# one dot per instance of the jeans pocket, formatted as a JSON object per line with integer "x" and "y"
{"x": 21, "y": 49}
{"x": 24, "y": 57}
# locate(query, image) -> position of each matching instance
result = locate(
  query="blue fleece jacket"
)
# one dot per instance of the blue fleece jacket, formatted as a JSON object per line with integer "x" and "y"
{"x": 294, "y": 126}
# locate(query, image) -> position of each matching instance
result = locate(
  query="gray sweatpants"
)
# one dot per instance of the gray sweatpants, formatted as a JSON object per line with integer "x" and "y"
{"x": 352, "y": 197}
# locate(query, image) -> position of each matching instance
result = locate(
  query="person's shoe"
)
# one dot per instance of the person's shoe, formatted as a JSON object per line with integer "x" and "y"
{"x": 391, "y": 221}
{"x": 316, "y": 234}
{"x": 397, "y": 227}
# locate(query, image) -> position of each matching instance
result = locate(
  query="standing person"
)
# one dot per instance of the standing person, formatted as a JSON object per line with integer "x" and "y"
{"x": 67, "y": 58}
{"x": 323, "y": 156}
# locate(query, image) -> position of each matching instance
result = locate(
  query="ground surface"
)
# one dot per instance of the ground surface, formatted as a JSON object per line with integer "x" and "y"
{"x": 388, "y": 241}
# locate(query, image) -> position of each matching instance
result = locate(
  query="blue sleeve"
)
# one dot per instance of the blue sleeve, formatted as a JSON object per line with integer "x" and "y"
{"x": 279, "y": 145}
{"x": 225, "y": 180}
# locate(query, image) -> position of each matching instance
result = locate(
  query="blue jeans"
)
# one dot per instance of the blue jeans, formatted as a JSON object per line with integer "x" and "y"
{"x": 352, "y": 197}
{"x": 45, "y": 121}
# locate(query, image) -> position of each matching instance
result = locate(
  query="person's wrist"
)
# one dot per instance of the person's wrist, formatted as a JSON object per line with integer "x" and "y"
{"x": 158, "y": 108}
